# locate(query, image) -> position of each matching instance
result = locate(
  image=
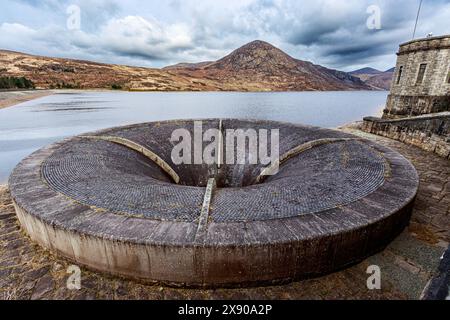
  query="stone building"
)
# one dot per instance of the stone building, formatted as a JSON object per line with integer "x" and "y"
{"x": 421, "y": 83}
{"x": 418, "y": 107}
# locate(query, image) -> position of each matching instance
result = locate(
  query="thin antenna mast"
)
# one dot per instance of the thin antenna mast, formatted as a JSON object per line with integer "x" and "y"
{"x": 417, "y": 19}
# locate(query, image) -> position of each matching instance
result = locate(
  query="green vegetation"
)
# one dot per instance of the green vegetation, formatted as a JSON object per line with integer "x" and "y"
{"x": 16, "y": 83}
{"x": 116, "y": 86}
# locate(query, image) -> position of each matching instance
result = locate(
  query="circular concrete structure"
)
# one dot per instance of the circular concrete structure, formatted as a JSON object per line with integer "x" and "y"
{"x": 114, "y": 201}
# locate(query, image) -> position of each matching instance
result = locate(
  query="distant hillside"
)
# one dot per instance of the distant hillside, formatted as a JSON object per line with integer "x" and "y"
{"x": 381, "y": 81}
{"x": 260, "y": 66}
{"x": 185, "y": 65}
{"x": 375, "y": 78}
{"x": 50, "y": 73}
{"x": 366, "y": 71}
{"x": 257, "y": 66}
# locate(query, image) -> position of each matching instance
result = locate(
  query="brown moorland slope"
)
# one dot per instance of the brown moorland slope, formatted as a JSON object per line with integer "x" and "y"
{"x": 49, "y": 73}
{"x": 379, "y": 80}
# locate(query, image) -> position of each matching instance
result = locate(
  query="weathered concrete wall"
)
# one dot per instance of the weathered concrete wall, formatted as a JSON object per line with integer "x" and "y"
{"x": 430, "y": 132}
{"x": 408, "y": 97}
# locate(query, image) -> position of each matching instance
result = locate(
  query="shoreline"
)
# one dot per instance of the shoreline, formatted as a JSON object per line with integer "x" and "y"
{"x": 12, "y": 98}
{"x": 356, "y": 125}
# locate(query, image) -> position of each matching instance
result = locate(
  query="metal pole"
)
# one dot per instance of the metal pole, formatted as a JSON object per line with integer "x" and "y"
{"x": 417, "y": 19}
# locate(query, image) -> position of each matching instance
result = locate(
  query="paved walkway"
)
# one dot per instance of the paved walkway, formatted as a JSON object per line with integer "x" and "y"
{"x": 407, "y": 264}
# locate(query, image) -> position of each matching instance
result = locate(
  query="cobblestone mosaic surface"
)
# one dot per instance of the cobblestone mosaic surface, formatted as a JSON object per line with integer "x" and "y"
{"x": 321, "y": 178}
{"x": 108, "y": 176}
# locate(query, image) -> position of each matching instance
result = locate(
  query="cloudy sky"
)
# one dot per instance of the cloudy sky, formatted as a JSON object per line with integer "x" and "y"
{"x": 333, "y": 33}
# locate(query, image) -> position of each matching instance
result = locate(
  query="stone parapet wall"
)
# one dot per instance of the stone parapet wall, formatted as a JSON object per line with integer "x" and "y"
{"x": 428, "y": 132}
{"x": 426, "y": 44}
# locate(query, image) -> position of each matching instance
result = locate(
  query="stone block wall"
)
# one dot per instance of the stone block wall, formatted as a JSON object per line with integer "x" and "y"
{"x": 408, "y": 97}
{"x": 409, "y": 106}
{"x": 430, "y": 132}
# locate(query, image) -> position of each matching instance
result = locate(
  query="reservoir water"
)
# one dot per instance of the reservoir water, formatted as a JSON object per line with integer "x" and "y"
{"x": 29, "y": 126}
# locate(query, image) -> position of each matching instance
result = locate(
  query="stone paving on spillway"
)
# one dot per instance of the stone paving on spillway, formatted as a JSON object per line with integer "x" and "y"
{"x": 27, "y": 271}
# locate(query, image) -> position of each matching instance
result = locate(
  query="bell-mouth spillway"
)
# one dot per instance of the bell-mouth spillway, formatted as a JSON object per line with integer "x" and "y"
{"x": 115, "y": 201}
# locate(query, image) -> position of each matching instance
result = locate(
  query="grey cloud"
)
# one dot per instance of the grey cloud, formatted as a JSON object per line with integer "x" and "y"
{"x": 328, "y": 32}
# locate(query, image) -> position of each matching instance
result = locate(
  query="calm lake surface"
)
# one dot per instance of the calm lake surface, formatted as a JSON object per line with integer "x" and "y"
{"x": 29, "y": 126}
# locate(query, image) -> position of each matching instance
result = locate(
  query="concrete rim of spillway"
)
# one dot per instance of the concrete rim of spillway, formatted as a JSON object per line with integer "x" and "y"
{"x": 242, "y": 241}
